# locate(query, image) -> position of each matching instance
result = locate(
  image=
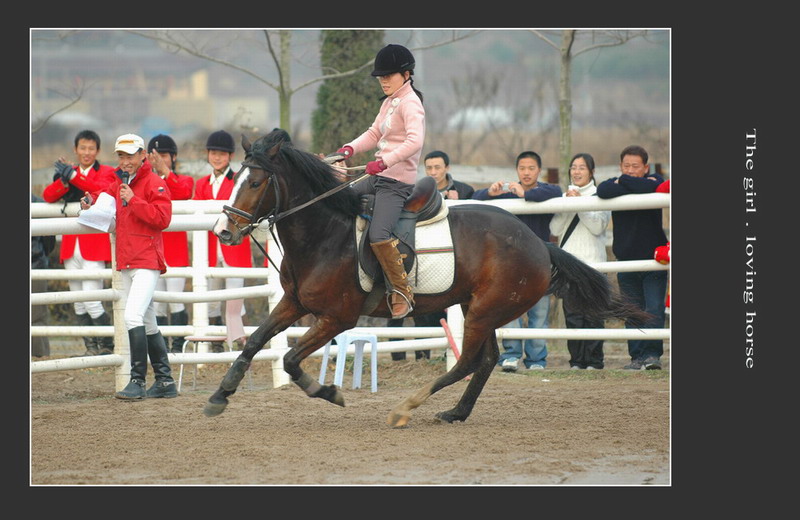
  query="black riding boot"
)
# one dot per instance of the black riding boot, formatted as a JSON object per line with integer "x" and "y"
{"x": 104, "y": 343}
{"x": 178, "y": 318}
{"x": 92, "y": 349}
{"x": 136, "y": 388}
{"x": 159, "y": 359}
{"x": 216, "y": 346}
{"x": 396, "y": 356}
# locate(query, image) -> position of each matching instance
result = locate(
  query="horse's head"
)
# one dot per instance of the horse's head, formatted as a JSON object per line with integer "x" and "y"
{"x": 255, "y": 193}
{"x": 277, "y": 180}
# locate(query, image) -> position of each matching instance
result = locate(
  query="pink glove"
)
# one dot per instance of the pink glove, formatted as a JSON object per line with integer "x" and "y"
{"x": 661, "y": 254}
{"x": 663, "y": 187}
{"x": 374, "y": 167}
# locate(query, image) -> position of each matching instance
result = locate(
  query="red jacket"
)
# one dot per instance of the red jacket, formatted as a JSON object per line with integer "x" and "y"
{"x": 139, "y": 239}
{"x": 94, "y": 246}
{"x": 235, "y": 256}
{"x": 176, "y": 243}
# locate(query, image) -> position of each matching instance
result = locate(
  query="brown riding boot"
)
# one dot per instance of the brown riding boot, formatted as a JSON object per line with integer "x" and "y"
{"x": 400, "y": 296}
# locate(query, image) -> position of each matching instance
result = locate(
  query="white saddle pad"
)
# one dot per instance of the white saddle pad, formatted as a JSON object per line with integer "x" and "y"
{"x": 434, "y": 264}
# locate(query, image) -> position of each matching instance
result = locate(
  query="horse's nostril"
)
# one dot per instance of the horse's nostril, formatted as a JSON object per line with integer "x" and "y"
{"x": 224, "y": 235}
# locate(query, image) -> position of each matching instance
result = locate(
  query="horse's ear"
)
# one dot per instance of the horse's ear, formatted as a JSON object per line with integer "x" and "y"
{"x": 274, "y": 150}
{"x": 246, "y": 143}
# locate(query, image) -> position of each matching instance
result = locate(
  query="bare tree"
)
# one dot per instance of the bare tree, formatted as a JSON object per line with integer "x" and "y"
{"x": 280, "y": 52}
{"x": 76, "y": 94}
{"x": 569, "y": 48}
{"x": 493, "y": 119}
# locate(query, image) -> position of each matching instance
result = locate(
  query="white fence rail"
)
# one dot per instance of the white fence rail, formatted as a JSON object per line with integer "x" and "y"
{"x": 199, "y": 216}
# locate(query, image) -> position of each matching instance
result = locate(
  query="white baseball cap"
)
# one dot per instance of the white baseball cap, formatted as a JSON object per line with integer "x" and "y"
{"x": 129, "y": 143}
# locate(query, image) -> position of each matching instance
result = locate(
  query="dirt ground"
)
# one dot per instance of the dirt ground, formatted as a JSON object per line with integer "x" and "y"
{"x": 557, "y": 426}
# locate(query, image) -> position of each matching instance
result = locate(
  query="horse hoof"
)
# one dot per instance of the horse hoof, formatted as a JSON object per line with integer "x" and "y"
{"x": 448, "y": 417}
{"x": 332, "y": 394}
{"x": 397, "y": 420}
{"x": 214, "y": 409}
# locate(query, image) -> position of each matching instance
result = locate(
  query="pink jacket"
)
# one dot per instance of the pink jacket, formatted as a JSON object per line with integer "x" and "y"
{"x": 398, "y": 132}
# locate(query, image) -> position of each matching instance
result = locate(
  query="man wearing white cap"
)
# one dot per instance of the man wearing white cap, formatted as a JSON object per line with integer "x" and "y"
{"x": 143, "y": 211}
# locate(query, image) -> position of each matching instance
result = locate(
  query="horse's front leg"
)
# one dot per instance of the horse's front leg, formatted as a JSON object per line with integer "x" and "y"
{"x": 323, "y": 330}
{"x": 284, "y": 314}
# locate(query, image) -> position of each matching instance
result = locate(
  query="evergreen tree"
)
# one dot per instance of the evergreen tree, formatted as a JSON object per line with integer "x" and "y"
{"x": 346, "y": 106}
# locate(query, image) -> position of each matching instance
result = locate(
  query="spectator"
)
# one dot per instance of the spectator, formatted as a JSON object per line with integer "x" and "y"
{"x": 636, "y": 235}
{"x": 437, "y": 165}
{"x": 398, "y": 132}
{"x": 41, "y": 246}
{"x": 662, "y": 256}
{"x": 143, "y": 211}
{"x": 662, "y": 253}
{"x": 218, "y": 185}
{"x": 529, "y": 166}
{"x": 163, "y": 155}
{"x": 88, "y": 251}
{"x": 584, "y": 235}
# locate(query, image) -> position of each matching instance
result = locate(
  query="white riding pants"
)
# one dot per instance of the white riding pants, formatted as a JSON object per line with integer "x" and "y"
{"x": 138, "y": 286}
{"x": 169, "y": 285}
{"x": 77, "y": 262}
{"x": 215, "y": 308}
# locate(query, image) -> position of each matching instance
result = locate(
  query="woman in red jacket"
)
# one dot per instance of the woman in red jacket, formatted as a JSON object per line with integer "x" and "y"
{"x": 163, "y": 154}
{"x": 89, "y": 251}
{"x": 218, "y": 185}
{"x": 143, "y": 211}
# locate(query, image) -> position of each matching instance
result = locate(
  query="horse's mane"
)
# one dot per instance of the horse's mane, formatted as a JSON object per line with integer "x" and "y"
{"x": 319, "y": 175}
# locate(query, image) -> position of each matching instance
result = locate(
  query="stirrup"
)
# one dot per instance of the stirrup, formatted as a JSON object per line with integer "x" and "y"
{"x": 391, "y": 304}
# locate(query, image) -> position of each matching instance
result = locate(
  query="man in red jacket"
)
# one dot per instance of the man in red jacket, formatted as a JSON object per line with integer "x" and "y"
{"x": 218, "y": 185}
{"x": 89, "y": 251}
{"x": 143, "y": 211}
{"x": 163, "y": 154}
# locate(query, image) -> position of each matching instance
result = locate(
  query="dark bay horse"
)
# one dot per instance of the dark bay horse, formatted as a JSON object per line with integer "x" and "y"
{"x": 501, "y": 270}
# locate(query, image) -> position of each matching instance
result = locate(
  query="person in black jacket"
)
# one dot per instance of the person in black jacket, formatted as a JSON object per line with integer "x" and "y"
{"x": 637, "y": 233}
{"x": 437, "y": 165}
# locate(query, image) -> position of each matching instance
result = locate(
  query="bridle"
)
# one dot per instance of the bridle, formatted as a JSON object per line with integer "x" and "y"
{"x": 275, "y": 214}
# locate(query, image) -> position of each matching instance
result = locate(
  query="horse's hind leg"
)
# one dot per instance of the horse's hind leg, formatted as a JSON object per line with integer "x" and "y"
{"x": 284, "y": 314}
{"x": 466, "y": 364}
{"x": 489, "y": 354}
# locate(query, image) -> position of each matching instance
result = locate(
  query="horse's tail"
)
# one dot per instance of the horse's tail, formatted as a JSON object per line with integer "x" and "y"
{"x": 587, "y": 291}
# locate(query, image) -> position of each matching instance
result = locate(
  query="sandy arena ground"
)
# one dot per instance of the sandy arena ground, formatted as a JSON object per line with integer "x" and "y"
{"x": 608, "y": 427}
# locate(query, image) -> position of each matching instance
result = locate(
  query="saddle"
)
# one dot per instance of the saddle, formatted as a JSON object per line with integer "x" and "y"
{"x": 424, "y": 203}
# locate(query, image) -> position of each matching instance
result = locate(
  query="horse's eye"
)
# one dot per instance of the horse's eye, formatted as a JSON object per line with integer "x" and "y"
{"x": 254, "y": 184}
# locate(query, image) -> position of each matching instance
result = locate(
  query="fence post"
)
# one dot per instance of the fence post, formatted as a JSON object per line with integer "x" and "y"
{"x": 278, "y": 342}
{"x": 200, "y": 284}
{"x": 122, "y": 345}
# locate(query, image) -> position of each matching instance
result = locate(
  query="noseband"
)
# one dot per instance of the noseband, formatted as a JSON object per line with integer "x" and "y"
{"x": 252, "y": 221}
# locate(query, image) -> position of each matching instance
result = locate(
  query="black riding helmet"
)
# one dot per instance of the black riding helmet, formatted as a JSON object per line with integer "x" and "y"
{"x": 163, "y": 143}
{"x": 220, "y": 140}
{"x": 393, "y": 58}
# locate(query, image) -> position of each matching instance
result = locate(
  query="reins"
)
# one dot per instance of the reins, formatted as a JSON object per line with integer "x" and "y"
{"x": 273, "y": 217}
